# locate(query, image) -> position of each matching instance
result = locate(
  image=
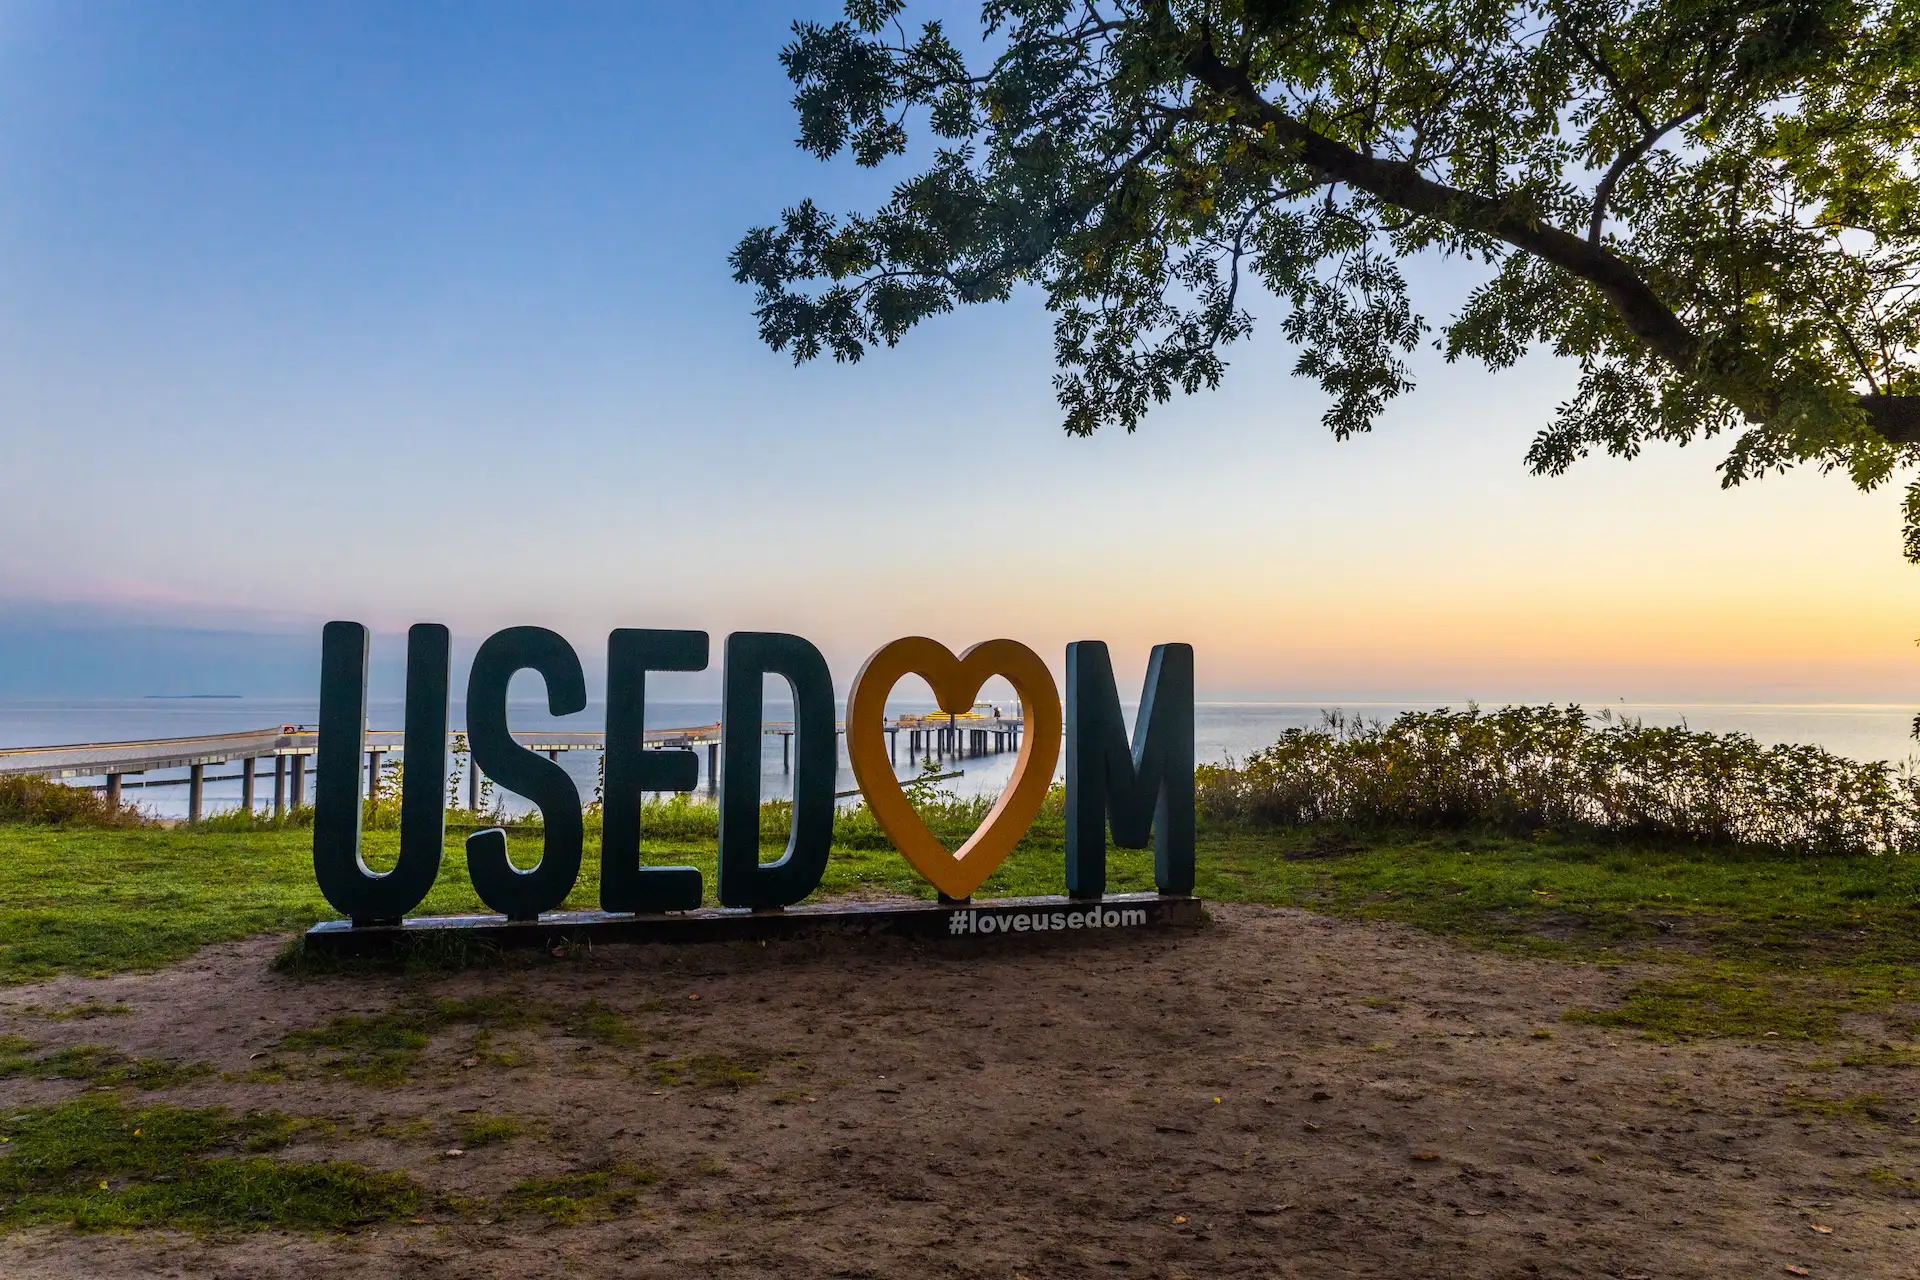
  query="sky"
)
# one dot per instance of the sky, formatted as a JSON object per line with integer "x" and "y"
{"x": 421, "y": 312}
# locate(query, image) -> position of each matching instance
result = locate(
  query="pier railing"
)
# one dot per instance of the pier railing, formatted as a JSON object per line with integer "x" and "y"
{"x": 289, "y": 748}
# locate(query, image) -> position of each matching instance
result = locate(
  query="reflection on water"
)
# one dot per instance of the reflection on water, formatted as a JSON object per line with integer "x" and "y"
{"x": 1222, "y": 731}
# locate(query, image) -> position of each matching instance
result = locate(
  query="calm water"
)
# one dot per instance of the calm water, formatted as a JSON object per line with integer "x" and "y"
{"x": 1222, "y": 731}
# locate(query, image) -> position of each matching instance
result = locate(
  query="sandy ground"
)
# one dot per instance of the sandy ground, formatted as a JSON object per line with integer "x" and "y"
{"x": 1278, "y": 1094}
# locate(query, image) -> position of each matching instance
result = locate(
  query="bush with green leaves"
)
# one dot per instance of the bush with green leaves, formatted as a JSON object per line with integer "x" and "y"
{"x": 43, "y": 802}
{"x": 1533, "y": 768}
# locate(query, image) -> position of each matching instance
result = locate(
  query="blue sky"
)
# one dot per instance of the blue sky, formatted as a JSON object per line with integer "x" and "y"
{"x": 410, "y": 312}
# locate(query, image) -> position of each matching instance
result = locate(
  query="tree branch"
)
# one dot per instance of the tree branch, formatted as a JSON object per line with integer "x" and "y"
{"x": 1606, "y": 72}
{"x": 1399, "y": 183}
{"x": 1603, "y": 193}
{"x": 1647, "y": 317}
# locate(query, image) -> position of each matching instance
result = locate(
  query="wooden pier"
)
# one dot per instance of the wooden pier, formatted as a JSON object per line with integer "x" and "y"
{"x": 289, "y": 749}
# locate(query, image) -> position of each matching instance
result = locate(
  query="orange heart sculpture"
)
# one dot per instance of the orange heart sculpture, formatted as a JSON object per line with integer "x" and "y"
{"x": 955, "y": 681}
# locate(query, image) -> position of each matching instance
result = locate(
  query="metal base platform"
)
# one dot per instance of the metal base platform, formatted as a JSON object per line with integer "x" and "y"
{"x": 986, "y": 920}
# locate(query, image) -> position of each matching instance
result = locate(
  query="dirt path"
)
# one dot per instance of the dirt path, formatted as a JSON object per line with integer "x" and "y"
{"x": 1280, "y": 1094}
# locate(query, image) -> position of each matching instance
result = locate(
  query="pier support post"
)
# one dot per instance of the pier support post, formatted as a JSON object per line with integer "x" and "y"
{"x": 473, "y": 785}
{"x": 279, "y": 786}
{"x": 113, "y": 790}
{"x": 247, "y": 767}
{"x": 786, "y": 753}
{"x": 299, "y": 780}
{"x": 196, "y": 790}
{"x": 713, "y": 765}
{"x": 373, "y": 773}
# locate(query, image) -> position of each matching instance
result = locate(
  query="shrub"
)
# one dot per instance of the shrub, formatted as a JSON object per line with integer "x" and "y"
{"x": 1529, "y": 769}
{"x": 43, "y": 802}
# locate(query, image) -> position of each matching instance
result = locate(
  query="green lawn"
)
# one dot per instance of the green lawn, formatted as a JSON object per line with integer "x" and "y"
{"x": 1754, "y": 938}
{"x": 1750, "y": 943}
{"x": 101, "y": 901}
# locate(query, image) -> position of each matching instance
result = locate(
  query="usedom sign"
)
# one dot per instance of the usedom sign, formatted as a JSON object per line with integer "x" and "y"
{"x": 1139, "y": 787}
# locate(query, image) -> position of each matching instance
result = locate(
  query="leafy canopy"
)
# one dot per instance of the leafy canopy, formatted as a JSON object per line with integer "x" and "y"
{"x": 1711, "y": 205}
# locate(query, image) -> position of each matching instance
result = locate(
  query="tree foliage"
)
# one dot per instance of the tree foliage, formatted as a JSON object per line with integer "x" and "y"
{"x": 1711, "y": 206}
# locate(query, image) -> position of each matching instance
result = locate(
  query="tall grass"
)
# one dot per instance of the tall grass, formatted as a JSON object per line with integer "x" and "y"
{"x": 674, "y": 818}
{"x": 684, "y": 817}
{"x": 1544, "y": 768}
{"x": 679, "y": 818}
{"x": 43, "y": 802}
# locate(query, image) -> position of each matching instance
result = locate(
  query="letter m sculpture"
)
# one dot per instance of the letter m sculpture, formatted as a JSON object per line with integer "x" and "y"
{"x": 1147, "y": 784}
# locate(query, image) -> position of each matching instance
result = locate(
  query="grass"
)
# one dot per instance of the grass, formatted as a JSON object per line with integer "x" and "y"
{"x": 1760, "y": 941}
{"x": 1582, "y": 897}
{"x": 86, "y": 1010}
{"x": 386, "y": 1048}
{"x": 596, "y": 1022}
{"x": 98, "y": 902}
{"x": 94, "y": 1065}
{"x": 705, "y": 1071}
{"x": 379, "y": 1048}
{"x": 103, "y": 901}
{"x": 576, "y": 1197}
{"x": 485, "y": 1130}
{"x": 1728, "y": 1004}
{"x": 1857, "y": 1106}
{"x": 95, "y": 1164}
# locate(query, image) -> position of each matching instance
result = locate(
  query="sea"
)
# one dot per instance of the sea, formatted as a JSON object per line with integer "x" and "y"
{"x": 1223, "y": 731}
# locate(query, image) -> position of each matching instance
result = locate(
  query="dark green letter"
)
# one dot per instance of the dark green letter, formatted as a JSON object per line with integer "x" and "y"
{"x": 1149, "y": 785}
{"x": 744, "y": 881}
{"x": 517, "y": 894}
{"x": 631, "y": 770}
{"x": 362, "y": 894}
